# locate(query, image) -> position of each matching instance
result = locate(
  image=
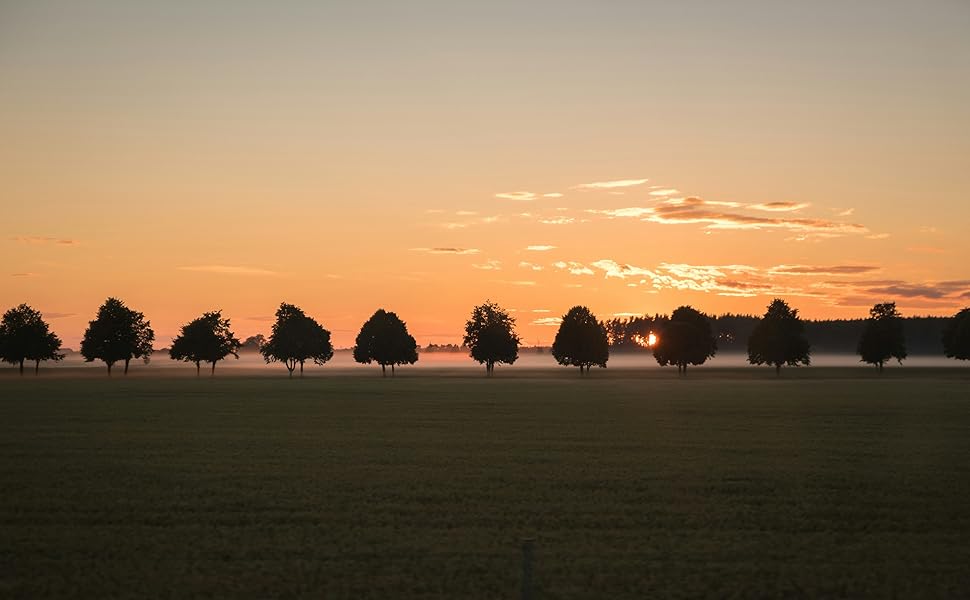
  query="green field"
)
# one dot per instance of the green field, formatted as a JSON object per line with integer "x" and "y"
{"x": 729, "y": 483}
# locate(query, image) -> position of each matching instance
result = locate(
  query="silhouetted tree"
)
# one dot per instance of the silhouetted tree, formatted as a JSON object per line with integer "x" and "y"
{"x": 581, "y": 340}
{"x": 206, "y": 339}
{"x": 24, "y": 335}
{"x": 118, "y": 333}
{"x": 779, "y": 338}
{"x": 686, "y": 338}
{"x": 384, "y": 339}
{"x": 490, "y": 336}
{"x": 295, "y": 339}
{"x": 956, "y": 336}
{"x": 883, "y": 336}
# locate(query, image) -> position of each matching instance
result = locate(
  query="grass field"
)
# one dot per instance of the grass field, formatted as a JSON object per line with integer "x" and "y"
{"x": 824, "y": 483}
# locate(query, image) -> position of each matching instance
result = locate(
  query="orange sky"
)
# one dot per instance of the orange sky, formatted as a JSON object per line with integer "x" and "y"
{"x": 351, "y": 157}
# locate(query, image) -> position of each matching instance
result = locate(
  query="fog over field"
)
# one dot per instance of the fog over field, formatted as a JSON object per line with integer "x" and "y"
{"x": 528, "y": 359}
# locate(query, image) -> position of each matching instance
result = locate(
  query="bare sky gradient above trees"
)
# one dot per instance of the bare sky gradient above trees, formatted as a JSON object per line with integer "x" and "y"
{"x": 459, "y": 140}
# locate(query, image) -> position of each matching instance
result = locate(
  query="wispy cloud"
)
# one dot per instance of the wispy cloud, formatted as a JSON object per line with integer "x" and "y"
{"x": 557, "y": 220}
{"x": 56, "y": 315}
{"x": 525, "y": 283}
{"x": 540, "y": 248}
{"x": 573, "y": 267}
{"x": 38, "y": 239}
{"x": 664, "y": 192}
{"x": 229, "y": 270}
{"x": 447, "y": 250}
{"x": 518, "y": 196}
{"x": 552, "y": 195}
{"x": 528, "y": 265}
{"x": 822, "y": 270}
{"x": 24, "y": 274}
{"x": 489, "y": 265}
{"x": 712, "y": 214}
{"x": 926, "y": 250}
{"x": 779, "y": 206}
{"x": 550, "y": 321}
{"x": 607, "y": 185}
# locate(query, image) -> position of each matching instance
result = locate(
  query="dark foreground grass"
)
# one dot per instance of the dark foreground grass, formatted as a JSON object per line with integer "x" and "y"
{"x": 727, "y": 484}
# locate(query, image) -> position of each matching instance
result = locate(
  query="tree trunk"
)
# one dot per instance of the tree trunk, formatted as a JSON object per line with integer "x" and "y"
{"x": 21, "y": 366}
{"x": 392, "y": 369}
{"x": 37, "y": 367}
{"x": 127, "y": 360}
{"x": 301, "y": 368}
{"x": 880, "y": 366}
{"x": 213, "y": 368}
{"x": 777, "y": 369}
{"x": 198, "y": 368}
{"x": 109, "y": 368}
{"x": 383, "y": 370}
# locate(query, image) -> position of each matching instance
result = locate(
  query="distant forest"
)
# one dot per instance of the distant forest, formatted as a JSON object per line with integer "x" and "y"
{"x": 923, "y": 334}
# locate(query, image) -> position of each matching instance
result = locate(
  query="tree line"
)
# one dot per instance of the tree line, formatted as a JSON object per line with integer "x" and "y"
{"x": 686, "y": 337}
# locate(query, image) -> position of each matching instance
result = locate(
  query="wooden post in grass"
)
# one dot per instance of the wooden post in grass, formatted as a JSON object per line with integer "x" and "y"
{"x": 528, "y": 545}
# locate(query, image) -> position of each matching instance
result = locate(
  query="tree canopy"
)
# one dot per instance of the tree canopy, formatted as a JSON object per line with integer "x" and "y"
{"x": 581, "y": 340}
{"x": 24, "y": 335}
{"x": 956, "y": 336}
{"x": 883, "y": 336}
{"x": 686, "y": 339}
{"x": 779, "y": 338}
{"x": 295, "y": 339}
{"x": 117, "y": 333}
{"x": 384, "y": 339}
{"x": 206, "y": 339}
{"x": 490, "y": 336}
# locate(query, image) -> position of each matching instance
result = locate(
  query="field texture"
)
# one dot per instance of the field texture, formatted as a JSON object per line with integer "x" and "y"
{"x": 729, "y": 484}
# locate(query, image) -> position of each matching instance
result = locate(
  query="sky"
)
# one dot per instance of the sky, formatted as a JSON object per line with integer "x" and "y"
{"x": 425, "y": 156}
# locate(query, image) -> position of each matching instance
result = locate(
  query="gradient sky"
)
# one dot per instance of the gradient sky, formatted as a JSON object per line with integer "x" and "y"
{"x": 424, "y": 156}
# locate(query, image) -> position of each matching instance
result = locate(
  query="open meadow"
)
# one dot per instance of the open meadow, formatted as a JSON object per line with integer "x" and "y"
{"x": 634, "y": 483}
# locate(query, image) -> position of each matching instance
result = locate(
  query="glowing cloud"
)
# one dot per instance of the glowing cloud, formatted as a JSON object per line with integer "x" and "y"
{"x": 489, "y": 265}
{"x": 779, "y": 206}
{"x": 518, "y": 196}
{"x": 540, "y": 248}
{"x": 549, "y": 321}
{"x": 822, "y": 270}
{"x": 574, "y": 268}
{"x": 711, "y": 214}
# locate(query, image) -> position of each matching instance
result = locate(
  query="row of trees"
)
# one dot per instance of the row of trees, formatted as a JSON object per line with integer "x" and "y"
{"x": 119, "y": 334}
